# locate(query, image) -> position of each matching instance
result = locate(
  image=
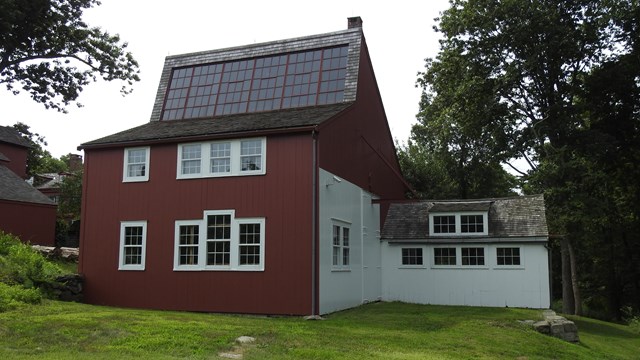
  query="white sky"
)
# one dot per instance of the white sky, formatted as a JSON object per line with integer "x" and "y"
{"x": 399, "y": 36}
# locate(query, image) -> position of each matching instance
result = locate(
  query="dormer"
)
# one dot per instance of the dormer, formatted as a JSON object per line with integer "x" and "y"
{"x": 459, "y": 219}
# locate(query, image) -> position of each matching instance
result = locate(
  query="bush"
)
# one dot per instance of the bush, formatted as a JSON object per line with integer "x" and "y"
{"x": 12, "y": 296}
{"x": 21, "y": 265}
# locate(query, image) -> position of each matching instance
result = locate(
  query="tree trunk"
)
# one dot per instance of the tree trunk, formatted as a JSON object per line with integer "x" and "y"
{"x": 568, "y": 300}
{"x": 577, "y": 302}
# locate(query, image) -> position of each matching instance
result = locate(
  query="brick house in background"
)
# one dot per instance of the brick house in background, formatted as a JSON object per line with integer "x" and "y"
{"x": 24, "y": 211}
{"x": 259, "y": 185}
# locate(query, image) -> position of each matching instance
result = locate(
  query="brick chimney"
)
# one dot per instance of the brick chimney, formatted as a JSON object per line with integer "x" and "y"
{"x": 354, "y": 22}
{"x": 75, "y": 162}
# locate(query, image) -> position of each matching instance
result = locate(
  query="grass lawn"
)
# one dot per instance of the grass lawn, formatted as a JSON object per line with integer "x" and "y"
{"x": 57, "y": 330}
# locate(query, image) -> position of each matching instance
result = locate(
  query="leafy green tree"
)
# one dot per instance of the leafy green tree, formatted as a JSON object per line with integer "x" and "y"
{"x": 555, "y": 85}
{"x": 48, "y": 51}
{"x": 39, "y": 160}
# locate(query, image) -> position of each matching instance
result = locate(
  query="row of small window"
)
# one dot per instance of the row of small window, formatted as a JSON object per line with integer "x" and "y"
{"x": 469, "y": 256}
{"x": 455, "y": 224}
{"x": 220, "y": 241}
{"x": 219, "y": 158}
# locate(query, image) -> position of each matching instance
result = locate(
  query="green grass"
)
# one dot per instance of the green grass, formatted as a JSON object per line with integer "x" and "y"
{"x": 57, "y": 330}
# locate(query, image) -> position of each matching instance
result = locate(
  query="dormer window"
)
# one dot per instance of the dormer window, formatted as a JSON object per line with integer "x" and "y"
{"x": 458, "y": 224}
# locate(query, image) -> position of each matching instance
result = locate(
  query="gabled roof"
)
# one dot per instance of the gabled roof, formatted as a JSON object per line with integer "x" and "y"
{"x": 12, "y": 136}
{"x": 515, "y": 217}
{"x": 222, "y": 126}
{"x": 13, "y": 188}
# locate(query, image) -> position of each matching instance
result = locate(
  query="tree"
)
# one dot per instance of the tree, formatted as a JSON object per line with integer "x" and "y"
{"x": 39, "y": 160}
{"x": 48, "y": 51}
{"x": 530, "y": 80}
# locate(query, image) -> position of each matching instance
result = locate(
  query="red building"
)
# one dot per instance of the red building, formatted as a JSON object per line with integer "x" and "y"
{"x": 24, "y": 211}
{"x": 253, "y": 187}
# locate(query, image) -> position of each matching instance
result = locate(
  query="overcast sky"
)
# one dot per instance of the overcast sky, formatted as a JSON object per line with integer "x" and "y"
{"x": 399, "y": 36}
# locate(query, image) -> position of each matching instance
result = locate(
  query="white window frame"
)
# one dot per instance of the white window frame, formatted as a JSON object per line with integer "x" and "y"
{"x": 484, "y": 256}
{"x": 508, "y": 246}
{"x": 459, "y": 247}
{"x": 126, "y": 164}
{"x": 413, "y": 266}
{"x": 342, "y": 249}
{"x": 235, "y": 159}
{"x": 458, "y": 220}
{"x": 234, "y": 243}
{"x": 200, "y": 258}
{"x": 121, "y": 258}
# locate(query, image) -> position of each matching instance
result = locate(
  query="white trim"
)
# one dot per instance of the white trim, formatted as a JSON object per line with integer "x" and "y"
{"x": 424, "y": 256}
{"x": 234, "y": 243}
{"x": 494, "y": 262}
{"x": 176, "y": 250}
{"x": 125, "y": 165}
{"x": 121, "y": 258}
{"x": 458, "y": 264}
{"x": 235, "y": 159}
{"x": 341, "y": 266}
{"x": 458, "y": 217}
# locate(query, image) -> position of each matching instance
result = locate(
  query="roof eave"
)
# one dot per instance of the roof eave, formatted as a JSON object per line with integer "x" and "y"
{"x": 195, "y": 138}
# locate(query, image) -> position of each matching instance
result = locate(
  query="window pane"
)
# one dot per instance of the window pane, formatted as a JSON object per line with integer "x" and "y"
{"x": 471, "y": 223}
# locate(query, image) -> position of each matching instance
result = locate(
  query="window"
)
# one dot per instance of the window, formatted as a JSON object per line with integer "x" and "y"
{"x": 473, "y": 256}
{"x": 412, "y": 256}
{"x": 508, "y": 256}
{"x": 188, "y": 243}
{"x": 222, "y": 158}
{"x": 471, "y": 223}
{"x": 340, "y": 246}
{"x": 458, "y": 224}
{"x": 220, "y": 241}
{"x": 133, "y": 238}
{"x": 444, "y": 256}
{"x": 444, "y": 224}
{"x": 136, "y": 164}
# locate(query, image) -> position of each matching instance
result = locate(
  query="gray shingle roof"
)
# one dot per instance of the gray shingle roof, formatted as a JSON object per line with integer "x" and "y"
{"x": 515, "y": 217}
{"x": 10, "y": 135}
{"x": 13, "y": 188}
{"x": 219, "y": 126}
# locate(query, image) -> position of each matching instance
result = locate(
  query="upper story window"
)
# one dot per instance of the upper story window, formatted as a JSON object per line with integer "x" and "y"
{"x": 312, "y": 77}
{"x": 458, "y": 224}
{"x": 136, "y": 164}
{"x": 222, "y": 158}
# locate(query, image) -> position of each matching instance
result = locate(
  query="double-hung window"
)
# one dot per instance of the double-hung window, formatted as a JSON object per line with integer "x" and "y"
{"x": 340, "y": 248}
{"x": 133, "y": 239}
{"x": 220, "y": 241}
{"x": 222, "y": 158}
{"x": 136, "y": 164}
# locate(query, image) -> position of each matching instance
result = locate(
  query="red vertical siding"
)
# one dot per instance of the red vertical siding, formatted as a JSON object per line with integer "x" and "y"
{"x": 17, "y": 156}
{"x": 358, "y": 145}
{"x": 33, "y": 223}
{"x": 282, "y": 197}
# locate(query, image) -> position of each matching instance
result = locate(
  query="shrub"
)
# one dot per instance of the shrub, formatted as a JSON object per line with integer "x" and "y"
{"x": 21, "y": 265}
{"x": 12, "y": 296}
